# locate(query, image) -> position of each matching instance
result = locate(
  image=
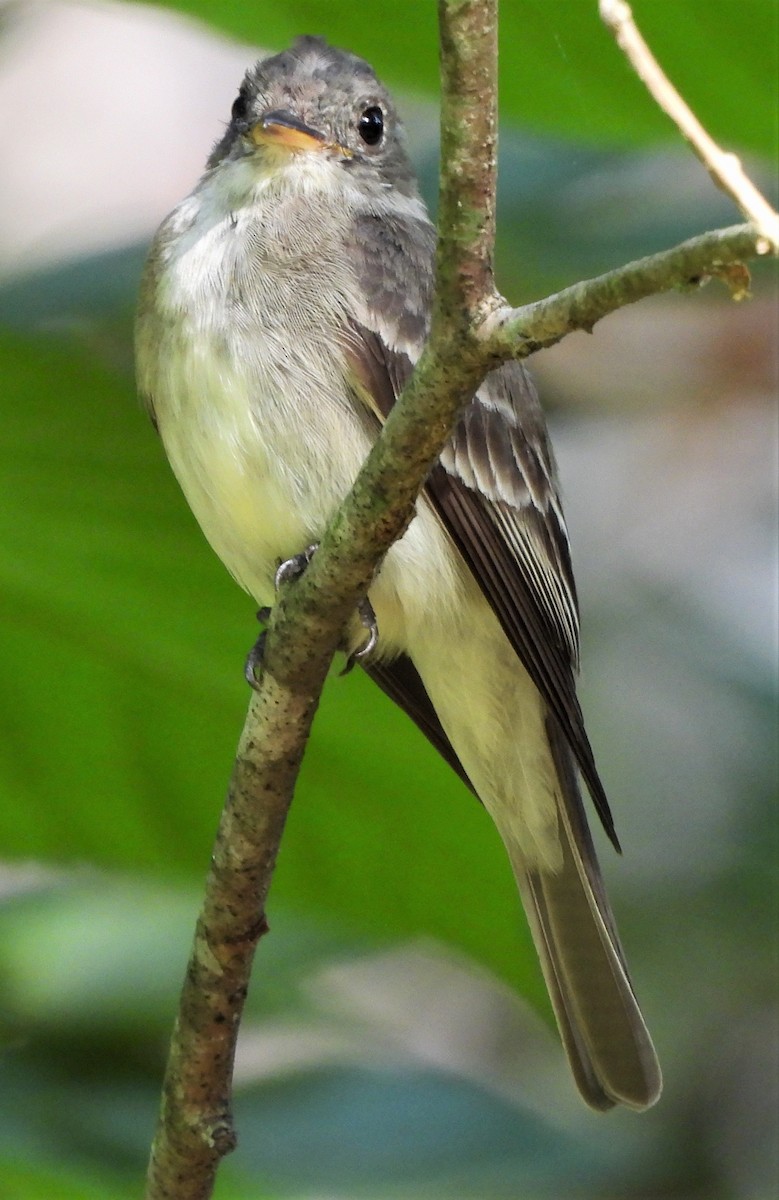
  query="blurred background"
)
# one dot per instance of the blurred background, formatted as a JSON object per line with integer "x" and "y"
{"x": 398, "y": 1042}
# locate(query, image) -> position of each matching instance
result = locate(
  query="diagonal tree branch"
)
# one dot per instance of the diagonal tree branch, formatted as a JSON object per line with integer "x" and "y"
{"x": 472, "y": 332}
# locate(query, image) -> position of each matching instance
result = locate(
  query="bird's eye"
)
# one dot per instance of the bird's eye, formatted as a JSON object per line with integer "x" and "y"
{"x": 371, "y": 125}
{"x": 240, "y": 106}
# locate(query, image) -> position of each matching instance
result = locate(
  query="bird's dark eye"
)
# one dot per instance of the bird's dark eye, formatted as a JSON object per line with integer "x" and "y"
{"x": 371, "y": 125}
{"x": 240, "y": 106}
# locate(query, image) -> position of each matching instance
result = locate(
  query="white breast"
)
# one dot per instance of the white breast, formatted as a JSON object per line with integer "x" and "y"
{"x": 248, "y": 381}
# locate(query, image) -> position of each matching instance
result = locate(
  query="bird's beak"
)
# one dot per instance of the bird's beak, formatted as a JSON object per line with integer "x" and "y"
{"x": 281, "y": 128}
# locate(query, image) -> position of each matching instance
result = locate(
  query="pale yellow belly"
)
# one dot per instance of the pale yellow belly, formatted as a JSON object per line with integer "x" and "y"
{"x": 264, "y": 472}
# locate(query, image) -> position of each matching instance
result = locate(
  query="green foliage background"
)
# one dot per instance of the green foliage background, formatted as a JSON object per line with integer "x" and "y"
{"x": 121, "y": 697}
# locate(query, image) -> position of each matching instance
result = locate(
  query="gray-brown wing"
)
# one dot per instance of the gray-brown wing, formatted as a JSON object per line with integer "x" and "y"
{"x": 496, "y": 491}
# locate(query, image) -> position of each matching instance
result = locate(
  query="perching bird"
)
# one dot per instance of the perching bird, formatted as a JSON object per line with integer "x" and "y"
{"x": 284, "y": 304}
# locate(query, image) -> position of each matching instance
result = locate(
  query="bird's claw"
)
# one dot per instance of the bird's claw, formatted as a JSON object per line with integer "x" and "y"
{"x": 293, "y": 568}
{"x": 368, "y": 619}
{"x": 253, "y": 664}
{"x": 286, "y": 572}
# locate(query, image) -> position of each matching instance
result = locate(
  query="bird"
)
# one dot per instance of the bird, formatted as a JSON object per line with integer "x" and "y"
{"x": 282, "y": 308}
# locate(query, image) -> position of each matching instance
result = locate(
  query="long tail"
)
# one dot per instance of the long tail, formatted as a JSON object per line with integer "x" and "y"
{"x": 610, "y": 1051}
{"x": 607, "y": 1042}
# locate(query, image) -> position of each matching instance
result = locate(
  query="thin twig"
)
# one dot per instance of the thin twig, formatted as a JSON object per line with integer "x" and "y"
{"x": 723, "y": 166}
{"x": 720, "y": 254}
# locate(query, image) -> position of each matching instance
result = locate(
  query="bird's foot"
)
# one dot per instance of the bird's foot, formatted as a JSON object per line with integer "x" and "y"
{"x": 286, "y": 572}
{"x": 368, "y": 619}
{"x": 253, "y": 664}
{"x": 292, "y": 568}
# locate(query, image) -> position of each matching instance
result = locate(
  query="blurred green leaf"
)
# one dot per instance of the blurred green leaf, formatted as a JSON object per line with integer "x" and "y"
{"x": 561, "y": 72}
{"x": 82, "y": 1129}
{"x": 115, "y": 951}
{"x": 28, "y": 1181}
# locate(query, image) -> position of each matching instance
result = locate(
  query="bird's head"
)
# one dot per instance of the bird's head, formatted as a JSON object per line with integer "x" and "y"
{"x": 321, "y": 107}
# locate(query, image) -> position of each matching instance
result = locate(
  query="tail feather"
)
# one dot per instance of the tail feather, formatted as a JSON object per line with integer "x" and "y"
{"x": 607, "y": 1042}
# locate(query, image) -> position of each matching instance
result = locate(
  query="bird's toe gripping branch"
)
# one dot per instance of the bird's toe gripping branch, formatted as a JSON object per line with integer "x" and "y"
{"x": 368, "y": 619}
{"x": 253, "y": 664}
{"x": 287, "y": 572}
{"x": 292, "y": 568}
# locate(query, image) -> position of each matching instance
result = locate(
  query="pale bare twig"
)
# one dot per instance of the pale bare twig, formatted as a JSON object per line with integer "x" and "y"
{"x": 724, "y": 167}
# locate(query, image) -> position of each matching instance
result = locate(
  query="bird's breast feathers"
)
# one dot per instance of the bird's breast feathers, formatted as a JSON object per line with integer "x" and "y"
{"x": 246, "y": 369}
